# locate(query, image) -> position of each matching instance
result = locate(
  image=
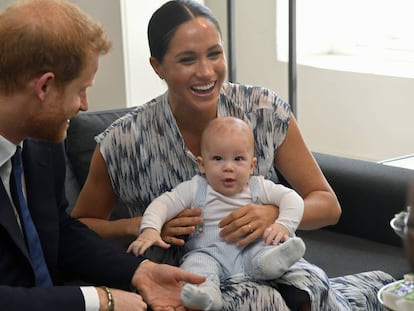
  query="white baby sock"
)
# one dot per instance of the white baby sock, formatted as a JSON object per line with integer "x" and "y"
{"x": 276, "y": 262}
{"x": 206, "y": 296}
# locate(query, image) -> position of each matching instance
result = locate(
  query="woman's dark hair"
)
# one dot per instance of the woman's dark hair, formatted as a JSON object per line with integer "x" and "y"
{"x": 166, "y": 19}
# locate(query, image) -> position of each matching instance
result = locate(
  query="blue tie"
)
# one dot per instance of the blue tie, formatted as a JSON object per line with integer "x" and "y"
{"x": 42, "y": 276}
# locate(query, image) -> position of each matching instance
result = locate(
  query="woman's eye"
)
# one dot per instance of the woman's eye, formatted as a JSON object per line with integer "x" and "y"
{"x": 187, "y": 60}
{"x": 214, "y": 54}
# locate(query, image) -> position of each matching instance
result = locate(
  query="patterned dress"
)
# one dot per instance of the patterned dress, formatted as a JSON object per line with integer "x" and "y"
{"x": 146, "y": 156}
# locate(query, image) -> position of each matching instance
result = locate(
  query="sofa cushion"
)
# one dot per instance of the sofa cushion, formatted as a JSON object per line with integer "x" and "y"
{"x": 80, "y": 144}
{"x": 344, "y": 254}
{"x": 81, "y": 138}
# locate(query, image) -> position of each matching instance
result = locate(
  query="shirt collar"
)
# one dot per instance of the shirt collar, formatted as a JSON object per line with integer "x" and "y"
{"x": 7, "y": 149}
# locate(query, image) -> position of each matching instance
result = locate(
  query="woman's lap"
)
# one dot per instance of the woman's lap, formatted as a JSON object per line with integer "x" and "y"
{"x": 245, "y": 295}
{"x": 361, "y": 289}
{"x": 353, "y": 292}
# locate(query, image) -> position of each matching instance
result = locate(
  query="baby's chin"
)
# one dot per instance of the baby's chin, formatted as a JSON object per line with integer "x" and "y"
{"x": 229, "y": 191}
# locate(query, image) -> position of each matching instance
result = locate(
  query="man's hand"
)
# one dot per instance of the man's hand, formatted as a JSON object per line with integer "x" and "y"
{"x": 183, "y": 224}
{"x": 247, "y": 223}
{"x": 160, "y": 285}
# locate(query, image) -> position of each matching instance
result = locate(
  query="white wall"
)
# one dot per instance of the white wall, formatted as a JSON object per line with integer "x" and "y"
{"x": 109, "y": 85}
{"x": 142, "y": 84}
{"x": 108, "y": 90}
{"x": 356, "y": 115}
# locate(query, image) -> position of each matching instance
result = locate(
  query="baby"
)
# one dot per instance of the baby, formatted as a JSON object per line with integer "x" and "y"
{"x": 226, "y": 164}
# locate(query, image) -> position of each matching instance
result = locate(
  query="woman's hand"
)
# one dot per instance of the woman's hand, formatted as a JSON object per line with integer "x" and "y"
{"x": 247, "y": 223}
{"x": 183, "y": 224}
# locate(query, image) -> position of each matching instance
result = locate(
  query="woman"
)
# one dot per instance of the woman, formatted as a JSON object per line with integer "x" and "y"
{"x": 152, "y": 149}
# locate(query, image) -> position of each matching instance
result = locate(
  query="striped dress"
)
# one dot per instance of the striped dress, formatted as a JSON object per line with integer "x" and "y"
{"x": 146, "y": 156}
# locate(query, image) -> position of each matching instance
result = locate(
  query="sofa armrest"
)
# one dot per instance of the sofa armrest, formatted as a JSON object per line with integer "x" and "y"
{"x": 370, "y": 195}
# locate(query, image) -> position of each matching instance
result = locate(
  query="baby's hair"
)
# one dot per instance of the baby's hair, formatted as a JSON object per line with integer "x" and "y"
{"x": 223, "y": 125}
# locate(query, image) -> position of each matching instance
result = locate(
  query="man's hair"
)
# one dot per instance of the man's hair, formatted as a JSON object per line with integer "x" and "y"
{"x": 39, "y": 36}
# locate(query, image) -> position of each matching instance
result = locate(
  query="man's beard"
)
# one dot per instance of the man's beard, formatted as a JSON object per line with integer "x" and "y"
{"x": 53, "y": 130}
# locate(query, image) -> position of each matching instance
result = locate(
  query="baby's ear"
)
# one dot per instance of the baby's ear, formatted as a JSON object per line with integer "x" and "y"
{"x": 253, "y": 164}
{"x": 200, "y": 163}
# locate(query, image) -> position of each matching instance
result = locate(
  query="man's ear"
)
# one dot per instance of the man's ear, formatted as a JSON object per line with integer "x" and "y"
{"x": 156, "y": 66}
{"x": 43, "y": 84}
{"x": 201, "y": 165}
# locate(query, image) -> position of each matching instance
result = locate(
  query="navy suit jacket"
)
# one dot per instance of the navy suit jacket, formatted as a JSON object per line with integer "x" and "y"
{"x": 70, "y": 248}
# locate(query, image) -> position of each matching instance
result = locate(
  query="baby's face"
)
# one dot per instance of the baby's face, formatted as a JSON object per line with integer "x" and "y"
{"x": 228, "y": 162}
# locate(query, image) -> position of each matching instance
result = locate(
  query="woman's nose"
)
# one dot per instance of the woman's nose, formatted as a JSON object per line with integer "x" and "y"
{"x": 205, "y": 68}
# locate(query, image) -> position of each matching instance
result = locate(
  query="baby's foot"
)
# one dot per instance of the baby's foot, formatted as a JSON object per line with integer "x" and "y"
{"x": 201, "y": 297}
{"x": 278, "y": 261}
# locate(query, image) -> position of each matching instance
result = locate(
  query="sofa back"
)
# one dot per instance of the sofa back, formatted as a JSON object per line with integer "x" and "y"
{"x": 80, "y": 138}
{"x": 370, "y": 193}
{"x": 80, "y": 144}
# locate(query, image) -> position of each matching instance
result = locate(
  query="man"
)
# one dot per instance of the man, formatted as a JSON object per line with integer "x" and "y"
{"x": 49, "y": 54}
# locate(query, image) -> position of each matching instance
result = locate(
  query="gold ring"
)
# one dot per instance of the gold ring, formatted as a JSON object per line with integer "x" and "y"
{"x": 250, "y": 228}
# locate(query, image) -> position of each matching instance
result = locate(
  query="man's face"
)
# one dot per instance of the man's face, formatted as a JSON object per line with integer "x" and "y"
{"x": 60, "y": 105}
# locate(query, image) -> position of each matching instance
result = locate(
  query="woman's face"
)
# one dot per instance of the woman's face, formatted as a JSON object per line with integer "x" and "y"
{"x": 194, "y": 66}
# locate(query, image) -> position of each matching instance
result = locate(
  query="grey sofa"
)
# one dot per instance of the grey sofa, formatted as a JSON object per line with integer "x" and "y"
{"x": 370, "y": 195}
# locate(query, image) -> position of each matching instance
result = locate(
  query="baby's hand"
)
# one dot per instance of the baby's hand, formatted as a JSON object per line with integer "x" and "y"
{"x": 146, "y": 238}
{"x": 275, "y": 234}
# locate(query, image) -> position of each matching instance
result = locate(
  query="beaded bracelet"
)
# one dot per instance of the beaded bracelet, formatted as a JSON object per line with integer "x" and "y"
{"x": 111, "y": 303}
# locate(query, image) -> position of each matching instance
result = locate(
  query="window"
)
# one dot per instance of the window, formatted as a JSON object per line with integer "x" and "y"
{"x": 368, "y": 36}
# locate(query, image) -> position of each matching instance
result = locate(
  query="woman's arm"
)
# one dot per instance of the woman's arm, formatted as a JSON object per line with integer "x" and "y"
{"x": 298, "y": 166}
{"x": 96, "y": 201}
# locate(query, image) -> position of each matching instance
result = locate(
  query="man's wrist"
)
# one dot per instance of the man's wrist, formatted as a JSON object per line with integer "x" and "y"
{"x": 136, "y": 278}
{"x": 110, "y": 303}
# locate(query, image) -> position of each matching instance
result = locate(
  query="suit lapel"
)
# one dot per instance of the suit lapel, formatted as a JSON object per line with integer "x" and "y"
{"x": 41, "y": 193}
{"x": 9, "y": 222}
